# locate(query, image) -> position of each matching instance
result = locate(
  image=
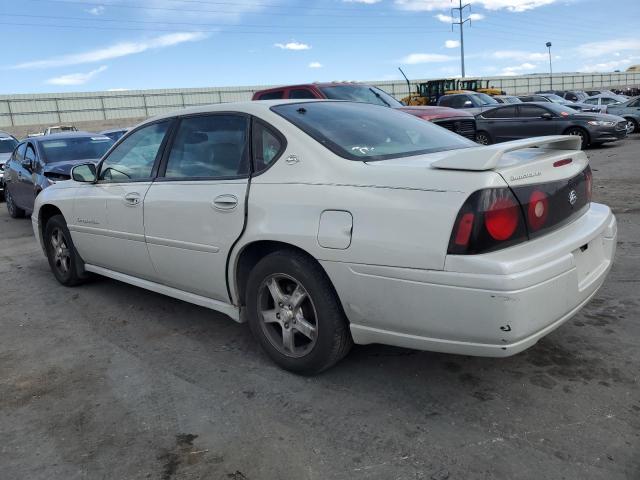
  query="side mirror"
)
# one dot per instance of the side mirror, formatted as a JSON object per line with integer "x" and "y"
{"x": 546, "y": 116}
{"x": 468, "y": 104}
{"x": 85, "y": 173}
{"x": 26, "y": 164}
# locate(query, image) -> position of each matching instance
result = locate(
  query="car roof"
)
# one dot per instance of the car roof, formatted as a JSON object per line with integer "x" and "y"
{"x": 314, "y": 84}
{"x": 4, "y": 134}
{"x": 111, "y": 130}
{"x": 63, "y": 135}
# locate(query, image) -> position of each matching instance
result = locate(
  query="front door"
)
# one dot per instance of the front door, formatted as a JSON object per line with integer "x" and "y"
{"x": 532, "y": 124}
{"x": 108, "y": 225}
{"x": 195, "y": 210}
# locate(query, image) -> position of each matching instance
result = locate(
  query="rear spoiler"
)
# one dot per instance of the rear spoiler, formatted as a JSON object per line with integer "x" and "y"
{"x": 487, "y": 157}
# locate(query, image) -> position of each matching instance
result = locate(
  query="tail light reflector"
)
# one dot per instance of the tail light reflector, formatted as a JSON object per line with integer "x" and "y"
{"x": 588, "y": 181}
{"x": 538, "y": 209}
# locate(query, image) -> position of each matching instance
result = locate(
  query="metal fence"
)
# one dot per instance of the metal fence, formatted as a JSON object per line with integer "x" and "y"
{"x": 34, "y": 109}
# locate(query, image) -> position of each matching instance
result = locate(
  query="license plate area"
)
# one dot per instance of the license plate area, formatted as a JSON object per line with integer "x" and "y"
{"x": 589, "y": 260}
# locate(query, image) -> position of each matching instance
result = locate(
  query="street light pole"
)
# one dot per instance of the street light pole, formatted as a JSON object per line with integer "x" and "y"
{"x": 550, "y": 68}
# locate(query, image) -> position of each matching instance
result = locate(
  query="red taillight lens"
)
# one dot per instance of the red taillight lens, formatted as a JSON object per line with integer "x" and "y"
{"x": 490, "y": 219}
{"x": 588, "y": 182}
{"x": 502, "y": 218}
{"x": 538, "y": 209}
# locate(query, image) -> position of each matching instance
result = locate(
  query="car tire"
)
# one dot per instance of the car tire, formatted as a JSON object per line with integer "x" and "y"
{"x": 14, "y": 210}
{"x": 483, "y": 138}
{"x": 634, "y": 125}
{"x": 295, "y": 314}
{"x": 579, "y": 132}
{"x": 64, "y": 260}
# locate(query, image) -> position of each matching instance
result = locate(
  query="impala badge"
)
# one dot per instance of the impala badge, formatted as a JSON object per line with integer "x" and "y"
{"x": 573, "y": 197}
{"x": 292, "y": 160}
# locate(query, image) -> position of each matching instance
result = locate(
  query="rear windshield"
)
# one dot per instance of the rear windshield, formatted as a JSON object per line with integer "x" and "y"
{"x": 360, "y": 93}
{"x": 359, "y": 131}
{"x": 485, "y": 99}
{"x": 7, "y": 144}
{"x": 75, "y": 148}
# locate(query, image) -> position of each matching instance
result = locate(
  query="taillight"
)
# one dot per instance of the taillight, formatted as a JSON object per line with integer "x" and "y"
{"x": 490, "y": 219}
{"x": 537, "y": 210}
{"x": 588, "y": 183}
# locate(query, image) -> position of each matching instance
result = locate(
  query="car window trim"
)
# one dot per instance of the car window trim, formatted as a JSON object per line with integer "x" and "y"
{"x": 156, "y": 162}
{"x": 162, "y": 165}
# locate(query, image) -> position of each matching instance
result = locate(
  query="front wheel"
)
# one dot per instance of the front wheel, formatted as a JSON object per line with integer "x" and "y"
{"x": 61, "y": 253}
{"x": 483, "y": 138}
{"x": 633, "y": 125}
{"x": 13, "y": 209}
{"x": 578, "y": 132}
{"x": 295, "y": 314}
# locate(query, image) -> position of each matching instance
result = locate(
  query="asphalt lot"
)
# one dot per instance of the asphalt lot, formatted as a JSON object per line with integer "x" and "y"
{"x": 108, "y": 381}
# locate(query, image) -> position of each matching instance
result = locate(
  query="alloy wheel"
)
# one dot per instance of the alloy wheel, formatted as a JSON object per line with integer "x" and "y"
{"x": 482, "y": 139}
{"x": 60, "y": 251}
{"x": 288, "y": 315}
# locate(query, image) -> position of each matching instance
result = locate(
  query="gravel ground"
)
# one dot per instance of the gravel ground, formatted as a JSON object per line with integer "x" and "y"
{"x": 108, "y": 381}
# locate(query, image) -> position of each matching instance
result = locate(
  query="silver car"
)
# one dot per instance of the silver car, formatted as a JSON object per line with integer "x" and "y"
{"x": 630, "y": 110}
{"x": 7, "y": 144}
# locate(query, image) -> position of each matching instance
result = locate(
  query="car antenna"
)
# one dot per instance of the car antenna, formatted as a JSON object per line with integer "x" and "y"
{"x": 408, "y": 86}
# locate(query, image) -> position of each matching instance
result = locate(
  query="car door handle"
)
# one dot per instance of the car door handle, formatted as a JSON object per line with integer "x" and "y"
{"x": 225, "y": 202}
{"x": 132, "y": 199}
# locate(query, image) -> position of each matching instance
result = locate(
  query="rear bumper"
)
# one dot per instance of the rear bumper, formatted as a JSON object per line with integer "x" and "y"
{"x": 495, "y": 304}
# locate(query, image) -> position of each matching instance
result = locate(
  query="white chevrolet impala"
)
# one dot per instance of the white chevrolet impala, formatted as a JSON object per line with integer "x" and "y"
{"x": 324, "y": 223}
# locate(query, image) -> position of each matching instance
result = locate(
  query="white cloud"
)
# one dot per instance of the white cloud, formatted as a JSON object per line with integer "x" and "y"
{"x": 519, "y": 55}
{"x": 449, "y": 18}
{"x": 476, "y": 16}
{"x": 611, "y": 65}
{"x": 315, "y": 65}
{"x": 99, "y": 10}
{"x": 114, "y": 51}
{"x": 76, "y": 78}
{"x": 511, "y": 5}
{"x": 368, "y": 2}
{"x": 452, "y": 44}
{"x": 608, "y": 47}
{"x": 415, "y": 58}
{"x": 292, "y": 46}
{"x": 518, "y": 69}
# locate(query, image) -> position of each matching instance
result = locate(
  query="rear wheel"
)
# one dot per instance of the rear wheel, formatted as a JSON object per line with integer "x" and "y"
{"x": 63, "y": 259}
{"x": 13, "y": 209}
{"x": 483, "y": 138}
{"x": 294, "y": 313}
{"x": 579, "y": 132}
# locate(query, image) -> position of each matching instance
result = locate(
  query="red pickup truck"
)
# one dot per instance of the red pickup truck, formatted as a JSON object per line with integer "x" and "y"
{"x": 458, "y": 121}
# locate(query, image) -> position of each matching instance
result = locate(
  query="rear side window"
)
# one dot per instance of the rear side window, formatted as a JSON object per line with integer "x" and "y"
{"x": 301, "y": 93}
{"x": 276, "y": 95}
{"x": 267, "y": 146}
{"x": 209, "y": 146}
{"x": 361, "y": 131}
{"x": 506, "y": 112}
{"x": 532, "y": 111}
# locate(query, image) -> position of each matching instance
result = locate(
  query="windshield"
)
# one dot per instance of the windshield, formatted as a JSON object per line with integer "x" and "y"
{"x": 7, "y": 144}
{"x": 360, "y": 93}
{"x": 556, "y": 98}
{"x": 485, "y": 99}
{"x": 358, "y": 131}
{"x": 75, "y": 148}
{"x": 511, "y": 100}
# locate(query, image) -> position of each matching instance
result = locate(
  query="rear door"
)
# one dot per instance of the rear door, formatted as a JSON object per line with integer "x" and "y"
{"x": 501, "y": 122}
{"x": 195, "y": 210}
{"x": 531, "y": 122}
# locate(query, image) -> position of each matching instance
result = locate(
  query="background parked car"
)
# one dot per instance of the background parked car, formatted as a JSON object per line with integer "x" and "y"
{"x": 472, "y": 102}
{"x": 115, "y": 133}
{"x": 604, "y": 100}
{"x": 506, "y": 99}
{"x": 59, "y": 129}
{"x": 457, "y": 121}
{"x": 552, "y": 97}
{"x": 7, "y": 145}
{"x": 39, "y": 162}
{"x": 630, "y": 110}
{"x": 593, "y": 93}
{"x": 573, "y": 95}
{"x": 524, "y": 120}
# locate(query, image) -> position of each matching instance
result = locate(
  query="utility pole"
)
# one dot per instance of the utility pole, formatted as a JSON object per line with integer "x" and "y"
{"x": 460, "y": 23}
{"x": 550, "y": 69}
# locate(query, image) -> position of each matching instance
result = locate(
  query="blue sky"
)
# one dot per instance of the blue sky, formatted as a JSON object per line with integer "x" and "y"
{"x": 89, "y": 45}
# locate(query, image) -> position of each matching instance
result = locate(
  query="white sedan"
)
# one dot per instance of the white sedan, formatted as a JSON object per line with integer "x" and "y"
{"x": 324, "y": 223}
